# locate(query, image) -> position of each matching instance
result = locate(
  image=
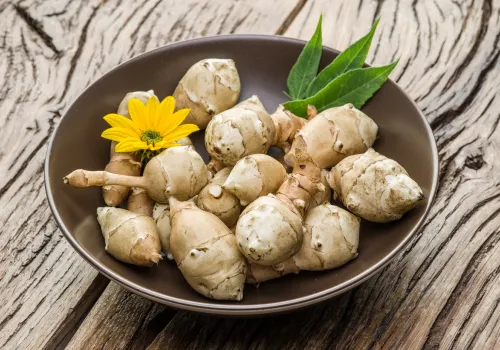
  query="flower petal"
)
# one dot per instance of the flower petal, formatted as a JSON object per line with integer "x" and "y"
{"x": 118, "y": 134}
{"x": 157, "y": 146}
{"x": 174, "y": 121}
{"x": 169, "y": 145}
{"x": 138, "y": 113}
{"x": 119, "y": 121}
{"x": 164, "y": 113}
{"x": 151, "y": 111}
{"x": 180, "y": 132}
{"x": 130, "y": 145}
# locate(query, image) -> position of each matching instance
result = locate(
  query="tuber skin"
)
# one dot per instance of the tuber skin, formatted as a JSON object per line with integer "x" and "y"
{"x": 215, "y": 199}
{"x": 208, "y": 88}
{"x": 270, "y": 229}
{"x": 124, "y": 163}
{"x": 177, "y": 171}
{"x": 335, "y": 134}
{"x": 326, "y": 195}
{"x": 206, "y": 253}
{"x": 161, "y": 215}
{"x": 130, "y": 237}
{"x": 255, "y": 176}
{"x": 331, "y": 240}
{"x": 374, "y": 187}
{"x": 139, "y": 202}
{"x": 248, "y": 129}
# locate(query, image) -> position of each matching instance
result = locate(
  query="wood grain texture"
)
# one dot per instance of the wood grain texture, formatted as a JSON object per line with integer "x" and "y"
{"x": 442, "y": 291}
{"x": 49, "y": 52}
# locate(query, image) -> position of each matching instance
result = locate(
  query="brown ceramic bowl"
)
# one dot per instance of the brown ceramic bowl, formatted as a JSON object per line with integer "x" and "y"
{"x": 263, "y": 63}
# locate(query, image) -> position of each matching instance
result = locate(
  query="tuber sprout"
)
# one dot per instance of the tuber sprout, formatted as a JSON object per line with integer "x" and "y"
{"x": 177, "y": 171}
{"x": 374, "y": 187}
{"x": 206, "y": 253}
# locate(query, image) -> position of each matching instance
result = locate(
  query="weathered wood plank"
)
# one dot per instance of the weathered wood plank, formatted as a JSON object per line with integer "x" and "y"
{"x": 49, "y": 52}
{"x": 442, "y": 291}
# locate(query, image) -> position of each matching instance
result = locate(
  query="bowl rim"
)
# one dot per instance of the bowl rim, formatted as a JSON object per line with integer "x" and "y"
{"x": 236, "y": 309}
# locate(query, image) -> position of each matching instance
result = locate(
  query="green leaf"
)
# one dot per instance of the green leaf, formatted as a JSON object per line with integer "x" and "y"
{"x": 306, "y": 67}
{"x": 352, "y": 58}
{"x": 355, "y": 86}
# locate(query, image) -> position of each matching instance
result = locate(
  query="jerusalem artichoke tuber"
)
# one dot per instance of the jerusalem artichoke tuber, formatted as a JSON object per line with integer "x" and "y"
{"x": 161, "y": 215}
{"x": 326, "y": 195}
{"x": 130, "y": 237}
{"x": 374, "y": 187}
{"x": 208, "y": 88}
{"x": 139, "y": 202}
{"x": 330, "y": 240}
{"x": 270, "y": 229}
{"x": 177, "y": 171}
{"x": 248, "y": 129}
{"x": 124, "y": 163}
{"x": 255, "y": 176}
{"x": 214, "y": 199}
{"x": 335, "y": 134}
{"x": 206, "y": 253}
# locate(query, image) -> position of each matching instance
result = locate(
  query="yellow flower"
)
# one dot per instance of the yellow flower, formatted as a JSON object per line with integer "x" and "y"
{"x": 153, "y": 126}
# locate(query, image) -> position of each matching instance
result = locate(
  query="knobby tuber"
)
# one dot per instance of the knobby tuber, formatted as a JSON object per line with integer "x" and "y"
{"x": 161, "y": 215}
{"x": 124, "y": 163}
{"x": 254, "y": 176}
{"x": 324, "y": 196}
{"x": 374, "y": 187}
{"x": 129, "y": 237}
{"x": 270, "y": 229}
{"x": 335, "y": 134}
{"x": 217, "y": 200}
{"x": 331, "y": 240}
{"x": 248, "y": 129}
{"x": 206, "y": 253}
{"x": 139, "y": 202}
{"x": 209, "y": 87}
{"x": 177, "y": 171}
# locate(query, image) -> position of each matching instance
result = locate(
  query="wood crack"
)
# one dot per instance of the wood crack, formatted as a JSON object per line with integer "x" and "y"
{"x": 37, "y": 27}
{"x": 290, "y": 17}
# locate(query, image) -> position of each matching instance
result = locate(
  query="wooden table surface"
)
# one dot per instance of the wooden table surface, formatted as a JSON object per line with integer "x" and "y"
{"x": 442, "y": 291}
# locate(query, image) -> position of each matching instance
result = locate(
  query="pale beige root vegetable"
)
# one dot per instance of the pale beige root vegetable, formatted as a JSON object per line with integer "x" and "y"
{"x": 124, "y": 163}
{"x": 206, "y": 253}
{"x": 254, "y": 176}
{"x": 270, "y": 229}
{"x": 209, "y": 87}
{"x": 177, "y": 171}
{"x": 214, "y": 199}
{"x": 286, "y": 125}
{"x": 248, "y": 129}
{"x": 161, "y": 215}
{"x": 130, "y": 237}
{"x": 326, "y": 195}
{"x": 139, "y": 202}
{"x": 374, "y": 187}
{"x": 245, "y": 129}
{"x": 335, "y": 134}
{"x": 331, "y": 240}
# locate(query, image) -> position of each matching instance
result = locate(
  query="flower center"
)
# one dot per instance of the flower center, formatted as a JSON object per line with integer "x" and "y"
{"x": 151, "y": 136}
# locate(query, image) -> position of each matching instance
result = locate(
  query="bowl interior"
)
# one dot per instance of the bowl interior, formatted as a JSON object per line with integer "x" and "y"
{"x": 263, "y": 64}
